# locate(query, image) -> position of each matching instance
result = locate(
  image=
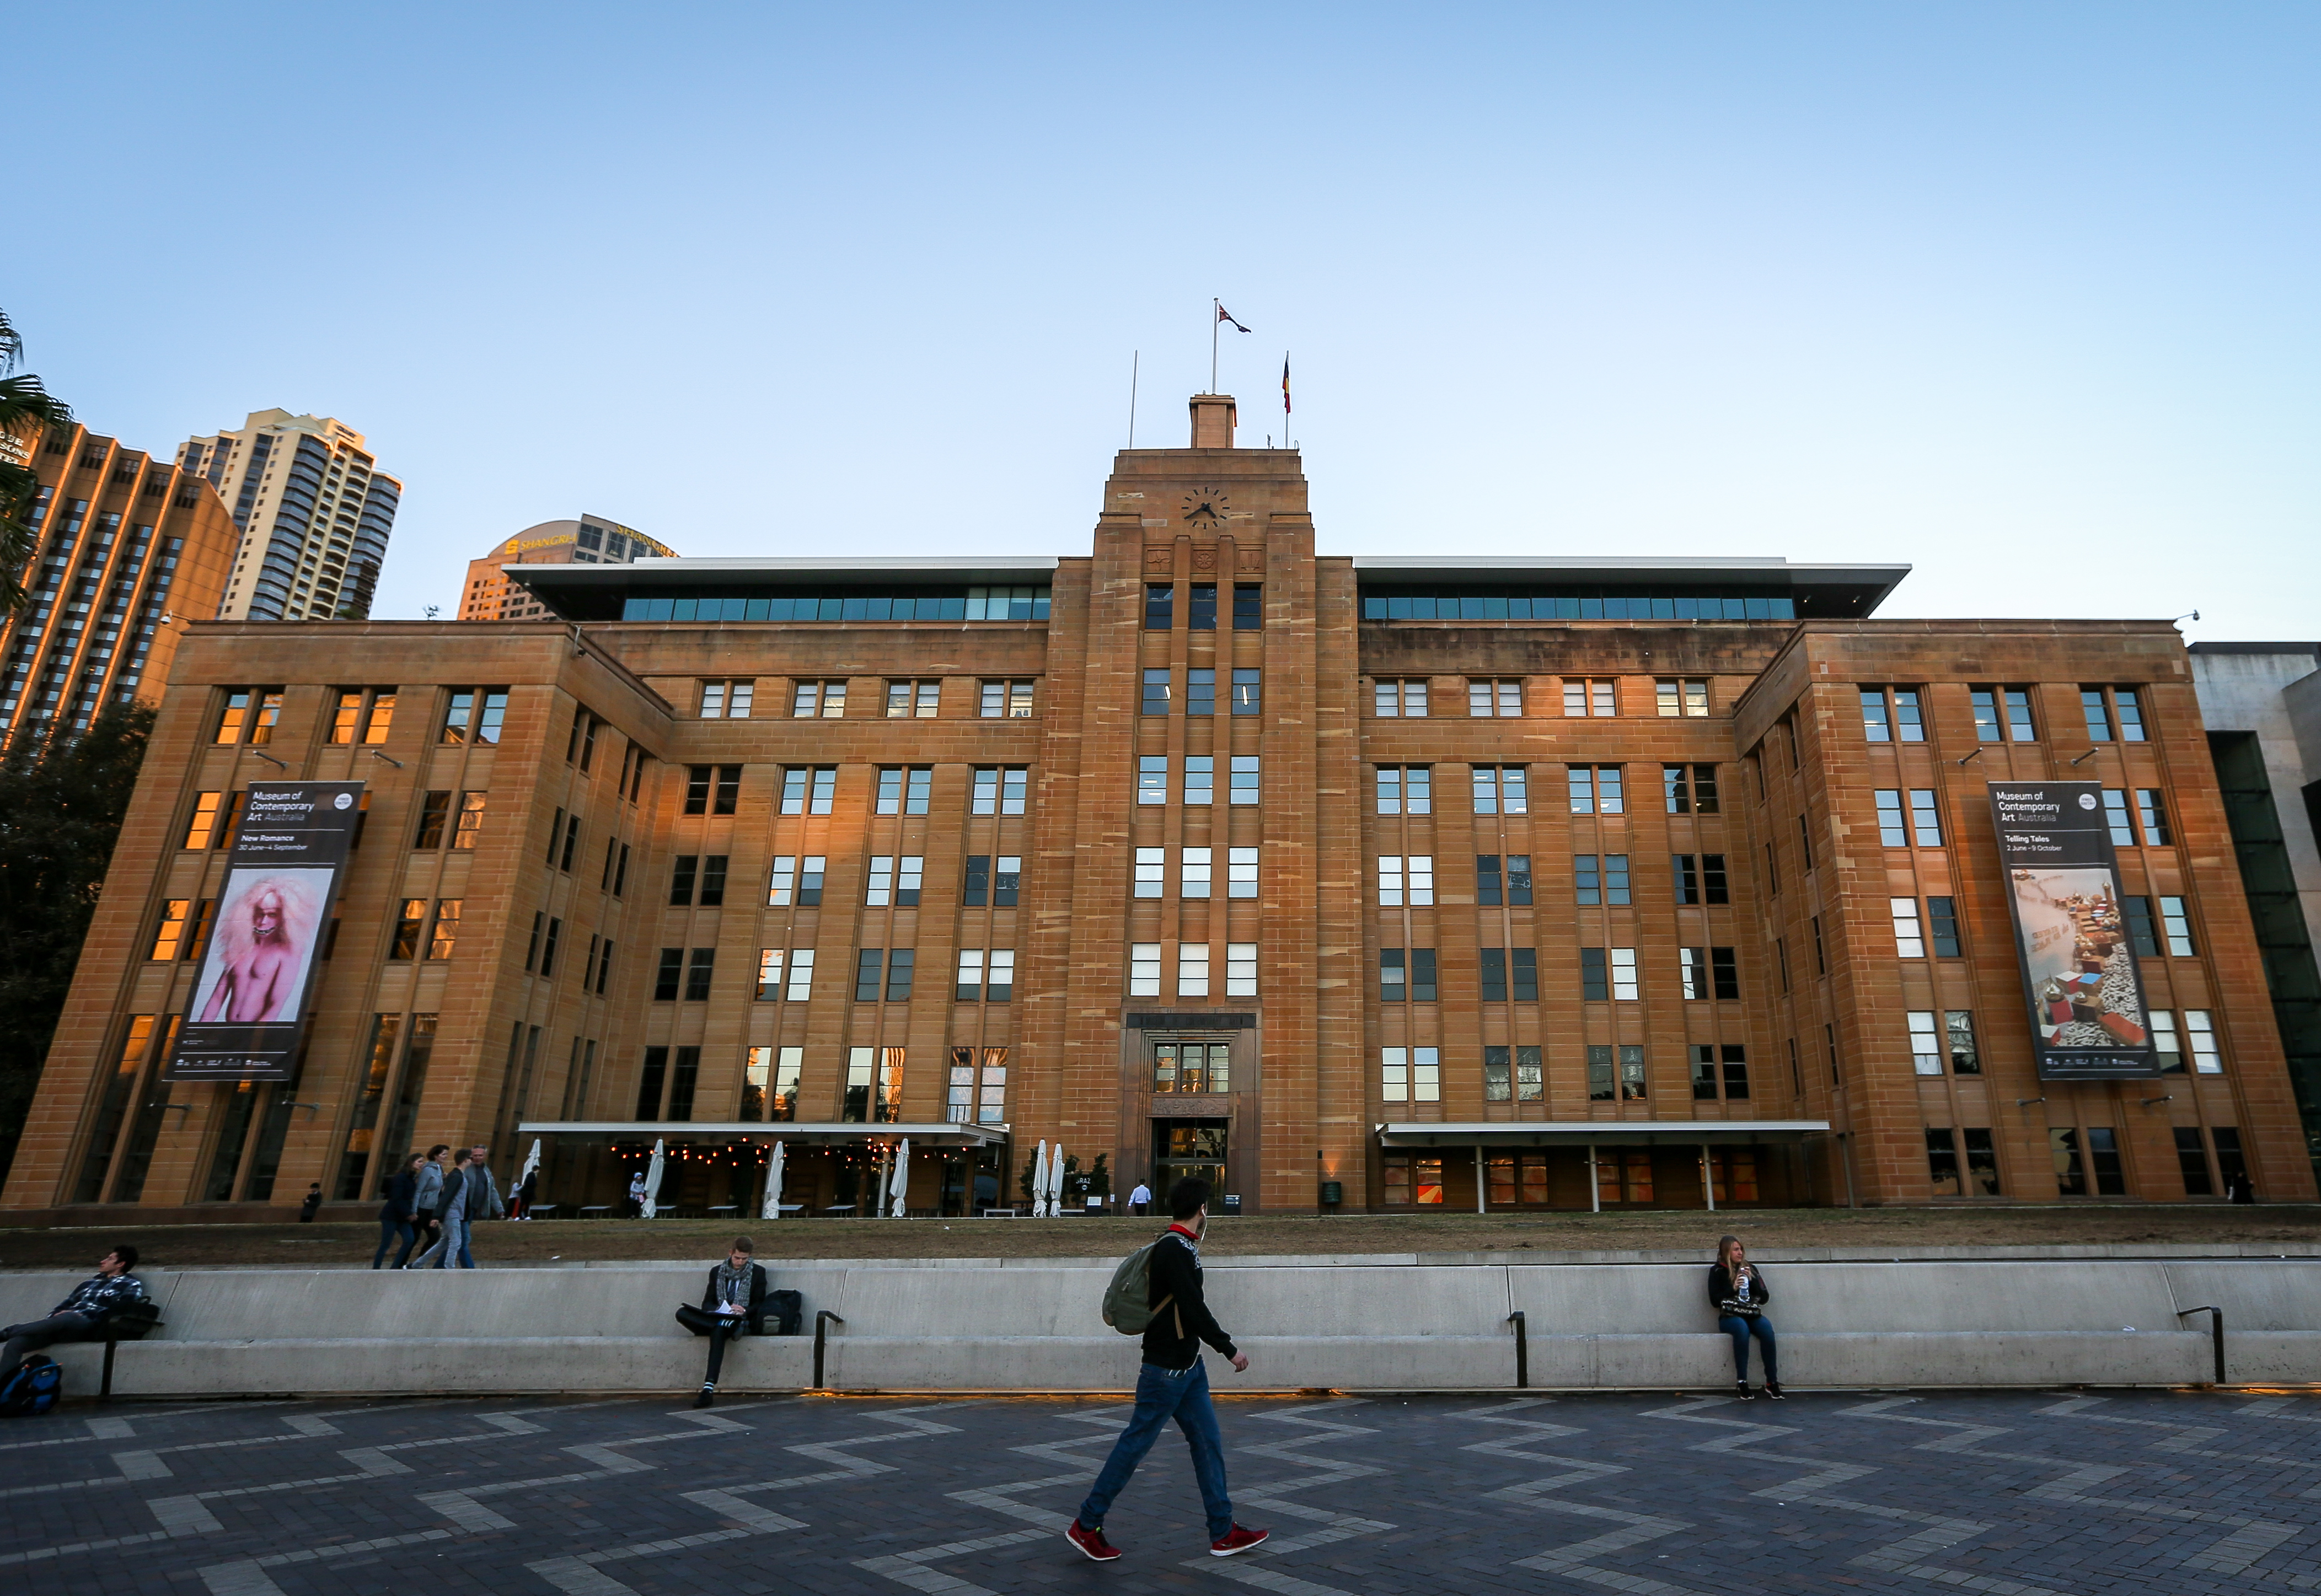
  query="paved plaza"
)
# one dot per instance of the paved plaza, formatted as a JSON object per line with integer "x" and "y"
{"x": 2015, "y": 1493}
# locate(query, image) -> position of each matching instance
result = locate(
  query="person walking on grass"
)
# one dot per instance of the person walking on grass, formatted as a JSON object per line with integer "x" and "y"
{"x": 1173, "y": 1384}
{"x": 1737, "y": 1291}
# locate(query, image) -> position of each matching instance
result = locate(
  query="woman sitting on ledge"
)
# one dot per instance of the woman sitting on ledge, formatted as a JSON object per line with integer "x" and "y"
{"x": 733, "y": 1304}
{"x": 1737, "y": 1291}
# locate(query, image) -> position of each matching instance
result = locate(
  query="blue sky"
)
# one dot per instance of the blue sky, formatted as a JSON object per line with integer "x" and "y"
{"x": 2022, "y": 294}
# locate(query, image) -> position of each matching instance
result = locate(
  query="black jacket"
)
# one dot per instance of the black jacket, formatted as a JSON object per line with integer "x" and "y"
{"x": 402, "y": 1191}
{"x": 1173, "y": 1339}
{"x": 1725, "y": 1300}
{"x": 756, "y": 1306}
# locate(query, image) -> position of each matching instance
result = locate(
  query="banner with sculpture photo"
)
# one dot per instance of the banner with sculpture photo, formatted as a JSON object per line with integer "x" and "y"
{"x": 249, "y": 1009}
{"x": 2086, "y": 997}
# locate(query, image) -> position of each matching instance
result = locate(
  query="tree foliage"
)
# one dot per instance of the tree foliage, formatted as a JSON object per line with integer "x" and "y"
{"x": 61, "y": 803}
{"x": 27, "y": 410}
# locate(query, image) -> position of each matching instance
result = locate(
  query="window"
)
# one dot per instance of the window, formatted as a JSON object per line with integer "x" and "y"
{"x": 894, "y": 880}
{"x": 977, "y": 1088}
{"x": 2201, "y": 1035}
{"x": 770, "y": 974}
{"x": 471, "y": 824}
{"x": 777, "y": 1099}
{"x": 1926, "y": 822}
{"x": 1599, "y": 879}
{"x": 1414, "y": 876}
{"x": 1942, "y": 1159}
{"x": 1958, "y": 1027}
{"x": 1005, "y": 701}
{"x": 2096, "y": 712}
{"x": 1900, "y": 720}
{"x": 1200, "y": 779}
{"x": 1498, "y": 697}
{"x": 435, "y": 819}
{"x": 870, "y": 966}
{"x": 669, "y": 977}
{"x": 1499, "y": 1086}
{"x": 1240, "y": 969}
{"x": 2131, "y": 713}
{"x": 1244, "y": 779}
{"x": 1201, "y": 613}
{"x": 234, "y": 717}
{"x": 1248, "y": 697}
{"x": 1488, "y": 879}
{"x": 1891, "y": 831}
{"x": 203, "y": 827}
{"x": 1160, "y": 607}
{"x": 408, "y": 923}
{"x": 716, "y": 789}
{"x": 1499, "y": 789}
{"x": 1151, "y": 778}
{"x": 2192, "y": 1161}
{"x": 1394, "y": 975}
{"x": 1412, "y": 1075}
{"x": 2006, "y": 706}
{"x": 1804, "y": 844}
{"x": 1616, "y": 1069}
{"x": 571, "y": 843}
{"x": 1709, "y": 972}
{"x": 1144, "y": 969}
{"x": 696, "y": 972}
{"x": 682, "y": 870}
{"x": 900, "y": 963}
{"x": 446, "y": 933}
{"x": 1821, "y": 955}
{"x": 1156, "y": 691}
{"x": 801, "y": 981}
{"x": 2143, "y": 930}
{"x": 1406, "y": 789}
{"x": 795, "y": 880}
{"x": 1192, "y": 1067}
{"x": 1393, "y": 697}
{"x": 2178, "y": 927}
{"x": 1152, "y": 880}
{"x": 1526, "y": 1083}
{"x": 1682, "y": 698}
{"x": 1192, "y": 872}
{"x": 1607, "y": 973}
{"x": 1689, "y": 789}
{"x": 1241, "y": 873}
{"x": 1247, "y": 606}
{"x": 1909, "y": 935}
{"x": 812, "y": 701}
{"x": 1497, "y": 968}
{"x": 603, "y": 967}
{"x": 1941, "y": 926}
{"x": 171, "y": 932}
{"x": 1700, "y": 880}
{"x": 650, "y": 1081}
{"x": 1925, "y": 1051}
{"x": 1200, "y": 691}
{"x": 1595, "y": 789}
{"x": 343, "y": 721}
{"x": 905, "y": 789}
{"x": 474, "y": 715}
{"x": 874, "y": 1086}
{"x": 727, "y": 700}
{"x": 1981, "y": 1162}
{"x": 1715, "y": 1063}
{"x": 1583, "y": 696}
{"x": 2116, "y": 820}
{"x": 998, "y": 790}
{"x": 2152, "y": 813}
{"x": 1193, "y": 966}
{"x": 915, "y": 700}
{"x": 2113, "y": 715}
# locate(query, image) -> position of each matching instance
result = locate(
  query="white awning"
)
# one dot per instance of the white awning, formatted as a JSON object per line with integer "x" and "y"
{"x": 693, "y": 1130}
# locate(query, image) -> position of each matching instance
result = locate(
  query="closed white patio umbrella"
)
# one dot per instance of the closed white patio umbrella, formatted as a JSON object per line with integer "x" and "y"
{"x": 652, "y": 1180}
{"x": 1040, "y": 1181}
{"x": 772, "y": 1206}
{"x": 898, "y": 1189}
{"x": 1056, "y": 1182}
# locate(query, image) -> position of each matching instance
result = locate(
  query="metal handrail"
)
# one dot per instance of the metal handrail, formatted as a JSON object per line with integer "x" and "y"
{"x": 1522, "y": 1350}
{"x": 2216, "y": 1333}
{"x": 821, "y": 1322}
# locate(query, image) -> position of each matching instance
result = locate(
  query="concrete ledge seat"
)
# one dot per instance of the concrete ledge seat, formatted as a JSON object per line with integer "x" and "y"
{"x": 406, "y": 1366}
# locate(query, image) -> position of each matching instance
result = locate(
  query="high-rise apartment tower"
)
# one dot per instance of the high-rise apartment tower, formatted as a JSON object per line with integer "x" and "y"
{"x": 591, "y": 541}
{"x": 314, "y": 512}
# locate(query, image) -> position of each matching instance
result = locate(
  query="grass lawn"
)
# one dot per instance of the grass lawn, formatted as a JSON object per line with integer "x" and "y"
{"x": 1770, "y": 1232}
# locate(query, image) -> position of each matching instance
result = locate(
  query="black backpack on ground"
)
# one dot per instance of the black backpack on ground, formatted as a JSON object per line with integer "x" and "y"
{"x": 32, "y": 1387}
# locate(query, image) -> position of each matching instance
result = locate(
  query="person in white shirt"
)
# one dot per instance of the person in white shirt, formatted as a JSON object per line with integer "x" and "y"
{"x": 637, "y": 1195}
{"x": 1140, "y": 1201}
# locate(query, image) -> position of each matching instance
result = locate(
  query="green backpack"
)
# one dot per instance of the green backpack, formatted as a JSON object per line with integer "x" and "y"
{"x": 1128, "y": 1306}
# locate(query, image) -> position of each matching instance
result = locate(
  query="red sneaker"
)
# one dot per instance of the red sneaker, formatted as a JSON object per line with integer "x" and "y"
{"x": 1240, "y": 1540}
{"x": 1093, "y": 1543}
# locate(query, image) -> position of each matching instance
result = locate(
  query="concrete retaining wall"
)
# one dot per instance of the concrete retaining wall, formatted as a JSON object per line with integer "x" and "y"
{"x": 1353, "y": 1324}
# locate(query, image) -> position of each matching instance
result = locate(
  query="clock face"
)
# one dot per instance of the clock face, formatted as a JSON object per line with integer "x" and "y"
{"x": 1206, "y": 507}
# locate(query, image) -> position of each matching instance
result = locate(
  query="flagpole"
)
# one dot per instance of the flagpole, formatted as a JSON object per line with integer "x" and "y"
{"x": 1217, "y": 314}
{"x": 1134, "y": 356}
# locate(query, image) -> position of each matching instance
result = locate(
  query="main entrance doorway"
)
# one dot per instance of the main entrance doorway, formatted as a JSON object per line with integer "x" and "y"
{"x": 1182, "y": 1147}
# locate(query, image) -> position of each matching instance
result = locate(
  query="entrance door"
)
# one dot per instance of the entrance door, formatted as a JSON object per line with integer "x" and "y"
{"x": 1182, "y": 1147}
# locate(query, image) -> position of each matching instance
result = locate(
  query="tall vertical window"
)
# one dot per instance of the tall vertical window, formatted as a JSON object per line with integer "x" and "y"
{"x": 1193, "y": 879}
{"x": 818, "y": 701}
{"x": 1410, "y": 1074}
{"x": 2152, "y": 812}
{"x": 1595, "y": 789}
{"x": 1005, "y": 701}
{"x": 1151, "y": 778}
{"x": 1585, "y": 696}
{"x": 978, "y": 1087}
{"x": 1160, "y": 607}
{"x": 874, "y": 1086}
{"x": 1877, "y": 716}
{"x": 1200, "y": 779}
{"x": 1892, "y": 832}
{"x": 1682, "y": 698}
{"x": 1200, "y": 691}
{"x": 1925, "y": 1048}
{"x": 446, "y": 932}
{"x": 1201, "y": 607}
{"x": 2176, "y": 926}
{"x": 1240, "y": 969}
{"x": 1909, "y": 935}
{"x": 698, "y": 972}
{"x": 1241, "y": 873}
{"x": 1926, "y": 820}
{"x": 1156, "y": 691}
{"x": 470, "y": 825}
{"x": 1144, "y": 969}
{"x": 1406, "y": 789}
{"x": 1498, "y": 697}
{"x": 1958, "y": 1029}
{"x": 1394, "y": 697}
{"x": 2112, "y": 714}
{"x": 1247, "y": 691}
{"x": 1244, "y": 788}
{"x": 914, "y": 701}
{"x": 1151, "y": 879}
{"x": 2130, "y": 709}
{"x": 474, "y": 715}
{"x": 1249, "y": 606}
{"x": 2003, "y": 711}
{"x": 1192, "y": 969}
{"x": 1499, "y": 789}
{"x": 1942, "y": 927}
{"x": 2116, "y": 820}
{"x": 2200, "y": 1039}
{"x": 202, "y": 827}
{"x": 1724, "y": 1064}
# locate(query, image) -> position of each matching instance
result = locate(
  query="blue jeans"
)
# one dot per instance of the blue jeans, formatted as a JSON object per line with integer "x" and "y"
{"x": 1741, "y": 1329}
{"x": 390, "y": 1228}
{"x": 452, "y": 1246}
{"x": 1161, "y": 1396}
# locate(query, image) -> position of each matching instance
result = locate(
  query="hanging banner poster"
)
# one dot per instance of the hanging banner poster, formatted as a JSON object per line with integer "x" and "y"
{"x": 2088, "y": 1016}
{"x": 282, "y": 876}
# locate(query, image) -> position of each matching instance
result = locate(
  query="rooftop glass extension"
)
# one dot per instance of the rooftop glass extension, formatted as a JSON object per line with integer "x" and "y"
{"x": 1567, "y": 606}
{"x": 952, "y": 603}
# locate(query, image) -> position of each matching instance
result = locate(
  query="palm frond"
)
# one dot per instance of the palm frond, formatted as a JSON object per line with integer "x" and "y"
{"x": 12, "y": 345}
{"x": 25, "y": 406}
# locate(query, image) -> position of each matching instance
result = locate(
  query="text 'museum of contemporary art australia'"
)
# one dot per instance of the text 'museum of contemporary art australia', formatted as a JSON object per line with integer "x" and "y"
{"x": 1351, "y": 883}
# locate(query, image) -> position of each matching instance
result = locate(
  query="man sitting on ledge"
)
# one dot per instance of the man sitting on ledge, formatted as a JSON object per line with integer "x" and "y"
{"x": 80, "y": 1316}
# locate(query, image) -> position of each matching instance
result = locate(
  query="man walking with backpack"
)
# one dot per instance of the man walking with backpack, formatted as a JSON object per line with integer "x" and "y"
{"x": 468, "y": 1195}
{"x": 1173, "y": 1384}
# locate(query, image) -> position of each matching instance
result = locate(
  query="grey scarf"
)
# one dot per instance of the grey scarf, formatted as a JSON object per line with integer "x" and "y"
{"x": 733, "y": 1284}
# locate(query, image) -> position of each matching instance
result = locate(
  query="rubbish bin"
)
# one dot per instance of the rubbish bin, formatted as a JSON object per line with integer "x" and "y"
{"x": 1333, "y": 1192}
